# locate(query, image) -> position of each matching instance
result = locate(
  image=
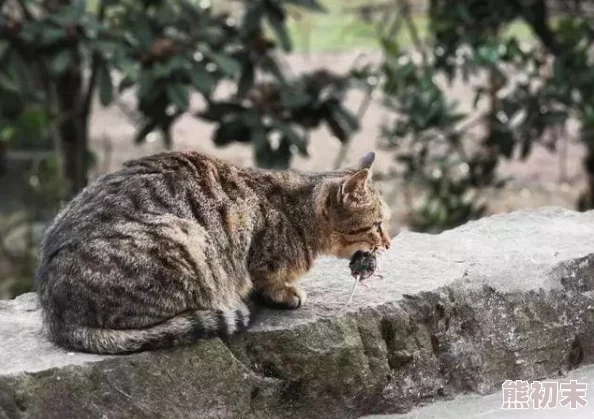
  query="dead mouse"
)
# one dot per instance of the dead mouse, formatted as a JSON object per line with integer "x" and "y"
{"x": 363, "y": 265}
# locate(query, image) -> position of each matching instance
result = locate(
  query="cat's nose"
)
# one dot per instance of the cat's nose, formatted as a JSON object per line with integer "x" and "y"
{"x": 386, "y": 240}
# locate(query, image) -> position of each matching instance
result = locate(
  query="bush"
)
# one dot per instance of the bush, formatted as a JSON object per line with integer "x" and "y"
{"x": 520, "y": 95}
{"x": 166, "y": 51}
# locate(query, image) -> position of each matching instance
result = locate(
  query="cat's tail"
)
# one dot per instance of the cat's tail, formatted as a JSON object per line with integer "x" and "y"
{"x": 185, "y": 328}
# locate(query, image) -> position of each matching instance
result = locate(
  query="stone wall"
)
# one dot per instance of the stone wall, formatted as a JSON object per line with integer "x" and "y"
{"x": 506, "y": 297}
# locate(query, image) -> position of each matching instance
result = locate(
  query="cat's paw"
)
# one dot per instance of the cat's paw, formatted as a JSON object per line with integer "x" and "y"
{"x": 286, "y": 298}
{"x": 297, "y": 297}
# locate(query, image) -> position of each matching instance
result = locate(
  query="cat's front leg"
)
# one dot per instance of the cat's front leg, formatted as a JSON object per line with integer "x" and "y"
{"x": 284, "y": 298}
{"x": 277, "y": 293}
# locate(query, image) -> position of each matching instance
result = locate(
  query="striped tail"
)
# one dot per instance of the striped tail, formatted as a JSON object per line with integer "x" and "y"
{"x": 182, "y": 329}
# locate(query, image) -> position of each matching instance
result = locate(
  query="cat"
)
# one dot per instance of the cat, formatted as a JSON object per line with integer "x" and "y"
{"x": 177, "y": 246}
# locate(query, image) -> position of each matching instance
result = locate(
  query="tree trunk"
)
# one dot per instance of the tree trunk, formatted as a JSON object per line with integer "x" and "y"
{"x": 586, "y": 199}
{"x": 73, "y": 130}
{"x": 2, "y": 159}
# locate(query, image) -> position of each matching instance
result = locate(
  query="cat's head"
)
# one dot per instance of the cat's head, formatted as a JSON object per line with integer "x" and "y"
{"x": 355, "y": 213}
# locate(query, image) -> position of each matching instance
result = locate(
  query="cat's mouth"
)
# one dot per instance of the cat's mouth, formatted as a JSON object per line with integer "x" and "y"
{"x": 370, "y": 248}
{"x": 347, "y": 252}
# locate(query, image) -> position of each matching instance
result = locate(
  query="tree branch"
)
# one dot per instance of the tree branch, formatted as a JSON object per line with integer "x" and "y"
{"x": 537, "y": 16}
{"x": 392, "y": 30}
{"x": 88, "y": 100}
{"x": 405, "y": 10}
{"x": 344, "y": 149}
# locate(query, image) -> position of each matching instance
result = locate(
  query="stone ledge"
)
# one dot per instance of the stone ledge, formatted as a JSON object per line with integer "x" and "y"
{"x": 505, "y": 297}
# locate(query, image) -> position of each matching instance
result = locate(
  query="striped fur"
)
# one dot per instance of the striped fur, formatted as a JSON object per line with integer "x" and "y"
{"x": 170, "y": 248}
{"x": 183, "y": 328}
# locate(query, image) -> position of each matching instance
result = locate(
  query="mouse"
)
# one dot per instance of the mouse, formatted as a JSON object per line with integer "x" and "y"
{"x": 363, "y": 265}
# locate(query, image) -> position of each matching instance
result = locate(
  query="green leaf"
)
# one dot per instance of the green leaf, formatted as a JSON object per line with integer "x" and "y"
{"x": 268, "y": 158}
{"x": 92, "y": 159}
{"x": 127, "y": 66}
{"x": 488, "y": 54}
{"x": 293, "y": 100}
{"x": 277, "y": 22}
{"x": 295, "y": 139}
{"x": 104, "y": 84}
{"x": 146, "y": 130}
{"x": 179, "y": 62}
{"x": 202, "y": 81}
{"x": 4, "y": 47}
{"x": 189, "y": 8}
{"x": 7, "y": 133}
{"x": 141, "y": 33}
{"x": 69, "y": 15}
{"x": 216, "y": 111}
{"x": 167, "y": 137}
{"x": 8, "y": 83}
{"x": 230, "y": 131}
{"x": 504, "y": 139}
{"x": 178, "y": 95}
{"x": 92, "y": 28}
{"x": 246, "y": 80}
{"x": 20, "y": 70}
{"x": 262, "y": 149}
{"x": 350, "y": 119}
{"x": 338, "y": 130}
{"x": 341, "y": 122}
{"x": 390, "y": 46}
{"x": 228, "y": 65}
{"x": 175, "y": 64}
{"x": 252, "y": 18}
{"x": 61, "y": 61}
{"x": 146, "y": 84}
{"x": 282, "y": 156}
{"x": 126, "y": 83}
{"x": 32, "y": 125}
{"x": 309, "y": 4}
{"x": 52, "y": 35}
{"x": 270, "y": 65}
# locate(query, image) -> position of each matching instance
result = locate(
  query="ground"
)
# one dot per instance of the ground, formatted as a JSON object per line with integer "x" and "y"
{"x": 491, "y": 406}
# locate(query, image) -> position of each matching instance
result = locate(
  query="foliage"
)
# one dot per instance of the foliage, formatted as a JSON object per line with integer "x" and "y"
{"x": 166, "y": 51}
{"x": 452, "y": 154}
{"x": 35, "y": 187}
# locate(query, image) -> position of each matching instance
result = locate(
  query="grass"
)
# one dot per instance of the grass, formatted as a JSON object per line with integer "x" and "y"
{"x": 341, "y": 30}
{"x": 336, "y": 30}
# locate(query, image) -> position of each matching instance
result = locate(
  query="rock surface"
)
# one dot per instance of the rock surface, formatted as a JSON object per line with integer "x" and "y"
{"x": 491, "y": 406}
{"x": 506, "y": 297}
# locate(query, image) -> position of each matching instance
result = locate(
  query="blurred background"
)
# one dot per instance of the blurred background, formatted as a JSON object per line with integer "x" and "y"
{"x": 473, "y": 107}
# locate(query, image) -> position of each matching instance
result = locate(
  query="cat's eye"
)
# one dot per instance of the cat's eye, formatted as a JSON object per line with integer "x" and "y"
{"x": 376, "y": 226}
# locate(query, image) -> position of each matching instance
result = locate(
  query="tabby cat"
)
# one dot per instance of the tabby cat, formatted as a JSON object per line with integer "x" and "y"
{"x": 175, "y": 246}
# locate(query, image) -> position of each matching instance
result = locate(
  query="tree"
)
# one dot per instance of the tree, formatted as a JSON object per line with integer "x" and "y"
{"x": 57, "y": 55}
{"x": 522, "y": 91}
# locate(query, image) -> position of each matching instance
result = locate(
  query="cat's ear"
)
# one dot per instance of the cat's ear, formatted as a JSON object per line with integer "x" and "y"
{"x": 366, "y": 161}
{"x": 355, "y": 186}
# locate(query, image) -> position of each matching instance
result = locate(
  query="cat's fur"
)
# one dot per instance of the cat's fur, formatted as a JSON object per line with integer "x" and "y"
{"x": 169, "y": 248}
